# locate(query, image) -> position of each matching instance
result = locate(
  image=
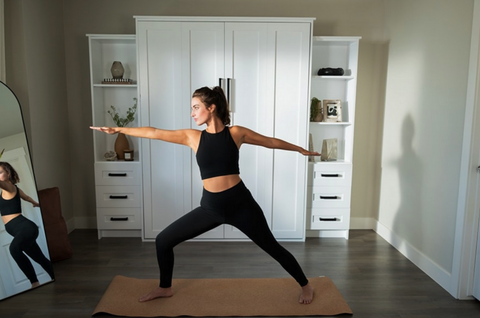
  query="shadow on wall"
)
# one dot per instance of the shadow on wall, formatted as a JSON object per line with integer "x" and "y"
{"x": 408, "y": 219}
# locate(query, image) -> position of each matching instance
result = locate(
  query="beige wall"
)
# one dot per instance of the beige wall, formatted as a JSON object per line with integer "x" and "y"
{"x": 35, "y": 67}
{"x": 424, "y": 120}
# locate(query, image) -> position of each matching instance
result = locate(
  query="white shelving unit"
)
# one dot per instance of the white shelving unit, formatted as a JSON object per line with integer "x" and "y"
{"x": 118, "y": 183}
{"x": 329, "y": 182}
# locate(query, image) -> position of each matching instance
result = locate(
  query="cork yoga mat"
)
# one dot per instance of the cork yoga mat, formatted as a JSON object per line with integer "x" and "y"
{"x": 221, "y": 298}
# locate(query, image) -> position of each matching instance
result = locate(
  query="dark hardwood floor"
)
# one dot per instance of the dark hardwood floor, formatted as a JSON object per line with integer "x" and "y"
{"x": 373, "y": 277}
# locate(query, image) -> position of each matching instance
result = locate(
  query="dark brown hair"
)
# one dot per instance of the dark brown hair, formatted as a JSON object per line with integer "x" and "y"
{"x": 216, "y": 96}
{"x": 13, "y": 176}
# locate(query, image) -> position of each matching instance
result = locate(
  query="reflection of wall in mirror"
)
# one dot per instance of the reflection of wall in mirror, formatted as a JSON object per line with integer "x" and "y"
{"x": 13, "y": 280}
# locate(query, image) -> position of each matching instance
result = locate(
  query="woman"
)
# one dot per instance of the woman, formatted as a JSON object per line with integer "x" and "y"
{"x": 24, "y": 231}
{"x": 225, "y": 198}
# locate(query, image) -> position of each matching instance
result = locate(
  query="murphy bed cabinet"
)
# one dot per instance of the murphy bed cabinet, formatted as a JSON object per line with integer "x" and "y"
{"x": 264, "y": 66}
{"x": 330, "y": 182}
{"x": 118, "y": 185}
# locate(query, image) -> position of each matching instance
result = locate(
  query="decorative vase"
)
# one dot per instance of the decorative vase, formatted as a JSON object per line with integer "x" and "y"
{"x": 121, "y": 144}
{"x": 117, "y": 69}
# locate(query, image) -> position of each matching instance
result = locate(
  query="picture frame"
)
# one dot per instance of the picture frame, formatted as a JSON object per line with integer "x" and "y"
{"x": 332, "y": 110}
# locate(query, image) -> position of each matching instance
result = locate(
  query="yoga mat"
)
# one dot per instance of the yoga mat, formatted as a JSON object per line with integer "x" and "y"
{"x": 222, "y": 297}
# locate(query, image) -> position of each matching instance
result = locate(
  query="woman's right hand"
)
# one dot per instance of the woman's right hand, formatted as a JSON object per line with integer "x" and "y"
{"x": 108, "y": 130}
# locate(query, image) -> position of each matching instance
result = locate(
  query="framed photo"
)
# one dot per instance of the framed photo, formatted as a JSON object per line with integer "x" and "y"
{"x": 332, "y": 110}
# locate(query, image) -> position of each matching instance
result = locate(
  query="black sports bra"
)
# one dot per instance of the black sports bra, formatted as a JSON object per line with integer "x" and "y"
{"x": 217, "y": 154}
{"x": 12, "y": 206}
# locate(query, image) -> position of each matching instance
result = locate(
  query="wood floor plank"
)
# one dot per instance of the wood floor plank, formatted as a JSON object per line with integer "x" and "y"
{"x": 374, "y": 278}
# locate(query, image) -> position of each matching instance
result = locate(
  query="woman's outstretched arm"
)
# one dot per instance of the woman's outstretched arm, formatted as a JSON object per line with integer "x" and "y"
{"x": 251, "y": 137}
{"x": 25, "y": 197}
{"x": 182, "y": 136}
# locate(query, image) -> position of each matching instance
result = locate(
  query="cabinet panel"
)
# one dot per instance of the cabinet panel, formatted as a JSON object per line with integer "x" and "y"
{"x": 327, "y": 174}
{"x": 119, "y": 219}
{"x": 329, "y": 197}
{"x": 117, "y": 173}
{"x": 330, "y": 219}
{"x": 118, "y": 196}
{"x": 292, "y": 52}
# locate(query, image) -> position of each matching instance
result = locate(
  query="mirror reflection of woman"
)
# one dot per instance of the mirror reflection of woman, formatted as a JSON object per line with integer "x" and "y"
{"x": 225, "y": 197}
{"x": 23, "y": 230}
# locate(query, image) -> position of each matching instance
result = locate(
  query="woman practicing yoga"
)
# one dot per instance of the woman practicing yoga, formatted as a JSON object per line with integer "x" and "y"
{"x": 24, "y": 231}
{"x": 225, "y": 198}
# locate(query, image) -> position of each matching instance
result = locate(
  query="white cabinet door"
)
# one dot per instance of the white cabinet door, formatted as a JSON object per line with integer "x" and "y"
{"x": 250, "y": 70}
{"x": 204, "y": 64}
{"x": 291, "y": 42}
{"x": 160, "y": 69}
{"x": 268, "y": 68}
{"x": 175, "y": 58}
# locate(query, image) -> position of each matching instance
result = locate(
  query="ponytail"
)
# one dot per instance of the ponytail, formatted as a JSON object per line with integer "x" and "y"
{"x": 215, "y": 96}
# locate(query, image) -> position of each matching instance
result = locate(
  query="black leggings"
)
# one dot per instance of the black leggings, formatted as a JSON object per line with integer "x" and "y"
{"x": 236, "y": 207}
{"x": 25, "y": 233}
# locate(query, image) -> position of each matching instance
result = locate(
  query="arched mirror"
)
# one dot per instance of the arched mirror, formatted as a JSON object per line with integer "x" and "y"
{"x": 21, "y": 245}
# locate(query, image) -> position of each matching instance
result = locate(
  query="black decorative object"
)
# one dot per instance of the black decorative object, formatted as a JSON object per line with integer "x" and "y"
{"x": 331, "y": 71}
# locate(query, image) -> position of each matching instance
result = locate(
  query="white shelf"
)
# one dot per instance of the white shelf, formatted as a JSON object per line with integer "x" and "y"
{"x": 333, "y": 77}
{"x": 116, "y": 85}
{"x": 321, "y": 123}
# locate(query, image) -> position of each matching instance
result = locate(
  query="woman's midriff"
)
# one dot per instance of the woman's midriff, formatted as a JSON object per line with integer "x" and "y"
{"x": 8, "y": 218}
{"x": 221, "y": 183}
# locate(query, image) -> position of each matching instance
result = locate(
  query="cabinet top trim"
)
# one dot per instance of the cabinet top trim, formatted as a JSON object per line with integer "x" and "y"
{"x": 336, "y": 38}
{"x": 112, "y": 36}
{"x": 224, "y": 19}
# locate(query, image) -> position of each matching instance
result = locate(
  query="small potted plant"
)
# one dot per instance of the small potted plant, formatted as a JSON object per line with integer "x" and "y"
{"x": 316, "y": 112}
{"x": 121, "y": 143}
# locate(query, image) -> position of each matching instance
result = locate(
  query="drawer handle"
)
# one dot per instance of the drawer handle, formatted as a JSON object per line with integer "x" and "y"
{"x": 119, "y": 219}
{"x": 110, "y": 174}
{"x": 330, "y": 175}
{"x": 119, "y": 197}
{"x": 329, "y": 219}
{"x": 329, "y": 197}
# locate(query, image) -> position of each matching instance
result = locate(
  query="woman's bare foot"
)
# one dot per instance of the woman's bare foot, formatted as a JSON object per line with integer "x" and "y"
{"x": 36, "y": 284}
{"x": 159, "y": 292}
{"x": 307, "y": 294}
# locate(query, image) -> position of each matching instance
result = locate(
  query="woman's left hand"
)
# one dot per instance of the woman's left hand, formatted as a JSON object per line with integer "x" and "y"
{"x": 309, "y": 153}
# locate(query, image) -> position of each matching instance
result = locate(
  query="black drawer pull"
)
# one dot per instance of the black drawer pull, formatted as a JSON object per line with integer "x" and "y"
{"x": 327, "y": 175}
{"x": 117, "y": 174}
{"x": 119, "y": 197}
{"x": 329, "y": 219}
{"x": 119, "y": 219}
{"x": 329, "y": 197}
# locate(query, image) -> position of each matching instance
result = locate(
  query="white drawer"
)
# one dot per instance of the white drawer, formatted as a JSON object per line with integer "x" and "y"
{"x": 117, "y": 173}
{"x": 330, "y": 174}
{"x": 119, "y": 219}
{"x": 118, "y": 196}
{"x": 330, "y": 219}
{"x": 329, "y": 197}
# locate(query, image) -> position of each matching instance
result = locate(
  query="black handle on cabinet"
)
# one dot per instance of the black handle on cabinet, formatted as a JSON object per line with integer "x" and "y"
{"x": 119, "y": 219}
{"x": 111, "y": 174}
{"x": 328, "y": 197}
{"x": 327, "y": 175}
{"x": 328, "y": 219}
{"x": 119, "y": 197}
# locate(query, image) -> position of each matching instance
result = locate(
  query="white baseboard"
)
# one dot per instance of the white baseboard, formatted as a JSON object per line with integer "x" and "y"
{"x": 427, "y": 265}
